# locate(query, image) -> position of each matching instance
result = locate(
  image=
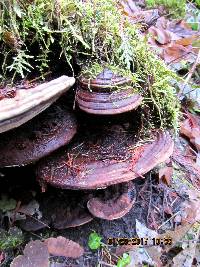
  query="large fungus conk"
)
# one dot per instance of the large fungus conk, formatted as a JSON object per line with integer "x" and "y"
{"x": 27, "y": 103}
{"x": 103, "y": 157}
{"x": 114, "y": 202}
{"x": 38, "y": 137}
{"x": 107, "y": 94}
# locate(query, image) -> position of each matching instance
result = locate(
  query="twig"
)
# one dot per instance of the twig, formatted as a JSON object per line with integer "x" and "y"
{"x": 43, "y": 75}
{"x": 191, "y": 72}
{"x": 174, "y": 215}
{"x": 106, "y": 264}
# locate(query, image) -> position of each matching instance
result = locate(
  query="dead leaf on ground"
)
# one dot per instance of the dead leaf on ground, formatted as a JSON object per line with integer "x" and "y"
{"x": 165, "y": 175}
{"x": 135, "y": 14}
{"x": 187, "y": 169}
{"x": 187, "y": 40}
{"x": 161, "y": 36}
{"x": 191, "y": 129}
{"x": 61, "y": 246}
{"x": 154, "y": 252}
{"x": 186, "y": 256}
{"x": 176, "y": 235}
{"x": 128, "y": 7}
{"x": 35, "y": 255}
{"x": 181, "y": 28}
{"x": 192, "y": 206}
{"x": 174, "y": 40}
{"x": 175, "y": 53}
{"x": 139, "y": 256}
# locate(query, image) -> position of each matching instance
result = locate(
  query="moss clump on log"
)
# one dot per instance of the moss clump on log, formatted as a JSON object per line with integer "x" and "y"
{"x": 80, "y": 34}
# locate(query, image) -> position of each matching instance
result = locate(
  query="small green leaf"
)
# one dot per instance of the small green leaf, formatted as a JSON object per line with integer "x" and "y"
{"x": 124, "y": 261}
{"x": 94, "y": 241}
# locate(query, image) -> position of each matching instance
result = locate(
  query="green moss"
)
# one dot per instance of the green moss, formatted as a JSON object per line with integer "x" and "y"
{"x": 151, "y": 79}
{"x": 176, "y": 8}
{"x": 11, "y": 239}
{"x": 197, "y": 2}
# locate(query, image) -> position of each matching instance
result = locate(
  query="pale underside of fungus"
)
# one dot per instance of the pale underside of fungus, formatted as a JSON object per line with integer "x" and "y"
{"x": 30, "y": 102}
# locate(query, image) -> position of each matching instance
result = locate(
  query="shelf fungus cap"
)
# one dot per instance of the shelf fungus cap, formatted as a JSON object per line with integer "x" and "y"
{"x": 37, "y": 138}
{"x": 119, "y": 204}
{"x": 70, "y": 218}
{"x": 104, "y": 81}
{"x": 108, "y": 94}
{"x": 93, "y": 164}
{"x": 28, "y": 103}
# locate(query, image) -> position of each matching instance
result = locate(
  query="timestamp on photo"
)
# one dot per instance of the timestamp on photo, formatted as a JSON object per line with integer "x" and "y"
{"x": 136, "y": 241}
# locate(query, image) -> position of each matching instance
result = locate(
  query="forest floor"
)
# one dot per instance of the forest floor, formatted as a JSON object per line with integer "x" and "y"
{"x": 166, "y": 213}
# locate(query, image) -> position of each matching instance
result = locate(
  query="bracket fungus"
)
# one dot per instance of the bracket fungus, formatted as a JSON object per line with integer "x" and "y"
{"x": 27, "y": 103}
{"x": 107, "y": 94}
{"x": 118, "y": 203}
{"x": 38, "y": 137}
{"x": 103, "y": 157}
{"x": 106, "y": 155}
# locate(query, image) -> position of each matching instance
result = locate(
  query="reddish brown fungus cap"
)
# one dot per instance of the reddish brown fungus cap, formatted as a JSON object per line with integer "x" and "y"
{"x": 102, "y": 158}
{"x": 119, "y": 202}
{"x": 37, "y": 138}
{"x": 104, "y": 81}
{"x": 108, "y": 94}
{"x": 108, "y": 103}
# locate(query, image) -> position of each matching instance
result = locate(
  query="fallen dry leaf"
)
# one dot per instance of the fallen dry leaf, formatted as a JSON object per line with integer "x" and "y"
{"x": 61, "y": 246}
{"x": 187, "y": 40}
{"x": 165, "y": 175}
{"x": 189, "y": 170}
{"x": 35, "y": 255}
{"x": 181, "y": 28}
{"x": 154, "y": 252}
{"x": 135, "y": 14}
{"x": 173, "y": 41}
{"x": 163, "y": 37}
{"x": 128, "y": 7}
{"x": 192, "y": 206}
{"x": 186, "y": 256}
{"x": 139, "y": 256}
{"x": 175, "y": 53}
{"x": 191, "y": 129}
